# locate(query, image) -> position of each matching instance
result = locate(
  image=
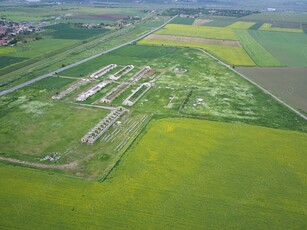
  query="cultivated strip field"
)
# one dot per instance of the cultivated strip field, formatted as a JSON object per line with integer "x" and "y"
{"x": 259, "y": 55}
{"x": 198, "y": 31}
{"x": 289, "y": 48}
{"x": 193, "y": 40}
{"x": 241, "y": 25}
{"x": 268, "y": 26}
{"x": 221, "y": 175}
{"x": 233, "y": 55}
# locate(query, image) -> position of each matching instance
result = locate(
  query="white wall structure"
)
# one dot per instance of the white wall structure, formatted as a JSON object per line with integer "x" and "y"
{"x": 95, "y": 133}
{"x": 121, "y": 72}
{"x": 128, "y": 102}
{"x": 70, "y": 89}
{"x": 103, "y": 71}
{"x": 83, "y": 96}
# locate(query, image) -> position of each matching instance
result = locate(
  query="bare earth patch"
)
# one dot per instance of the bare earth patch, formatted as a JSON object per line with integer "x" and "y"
{"x": 194, "y": 40}
{"x": 287, "y": 83}
{"x": 200, "y": 22}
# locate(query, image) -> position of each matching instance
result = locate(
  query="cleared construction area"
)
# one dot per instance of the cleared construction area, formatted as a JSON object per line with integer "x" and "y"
{"x": 95, "y": 133}
{"x": 174, "y": 38}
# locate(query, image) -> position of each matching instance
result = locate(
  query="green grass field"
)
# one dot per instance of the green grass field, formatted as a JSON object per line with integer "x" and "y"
{"x": 259, "y": 54}
{"x": 288, "y": 16}
{"x": 288, "y": 48}
{"x": 49, "y": 12}
{"x": 230, "y": 54}
{"x": 66, "y": 31}
{"x": 183, "y": 21}
{"x": 24, "y": 117}
{"x": 7, "y": 60}
{"x": 198, "y": 31}
{"x": 222, "y": 176}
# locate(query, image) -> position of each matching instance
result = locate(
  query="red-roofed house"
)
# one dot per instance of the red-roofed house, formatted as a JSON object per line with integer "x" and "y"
{"x": 2, "y": 31}
{"x": 3, "y": 42}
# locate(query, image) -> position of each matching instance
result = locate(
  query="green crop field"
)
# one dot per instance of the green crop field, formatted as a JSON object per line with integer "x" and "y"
{"x": 288, "y": 16}
{"x": 288, "y": 48}
{"x": 259, "y": 55}
{"x": 184, "y": 21}
{"x": 222, "y": 176}
{"x": 241, "y": 25}
{"x": 198, "y": 31}
{"x": 66, "y": 31}
{"x": 230, "y": 54}
{"x": 220, "y": 22}
{"x": 7, "y": 60}
{"x": 268, "y": 27}
{"x": 50, "y": 12}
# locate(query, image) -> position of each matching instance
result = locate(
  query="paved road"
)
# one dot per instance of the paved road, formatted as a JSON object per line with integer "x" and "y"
{"x": 4, "y": 92}
{"x": 254, "y": 83}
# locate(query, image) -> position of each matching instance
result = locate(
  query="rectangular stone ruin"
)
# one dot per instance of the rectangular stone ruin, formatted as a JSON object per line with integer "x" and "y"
{"x": 140, "y": 74}
{"x": 103, "y": 71}
{"x": 84, "y": 95}
{"x": 121, "y": 72}
{"x": 95, "y": 133}
{"x": 128, "y": 101}
{"x": 70, "y": 89}
{"x": 115, "y": 92}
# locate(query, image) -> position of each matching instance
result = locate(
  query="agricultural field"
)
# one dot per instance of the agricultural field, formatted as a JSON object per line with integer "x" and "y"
{"x": 269, "y": 27}
{"x": 300, "y": 17}
{"x": 233, "y": 55}
{"x": 183, "y": 21}
{"x": 32, "y": 108}
{"x": 259, "y": 55}
{"x": 96, "y": 146}
{"x": 198, "y": 31}
{"x": 66, "y": 31}
{"x": 288, "y": 83}
{"x": 50, "y": 12}
{"x": 289, "y": 48}
{"x": 241, "y": 25}
{"x": 223, "y": 175}
{"x": 201, "y": 21}
{"x": 49, "y": 61}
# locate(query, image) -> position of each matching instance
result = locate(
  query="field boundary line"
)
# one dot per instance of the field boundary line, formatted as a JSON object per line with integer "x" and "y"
{"x": 255, "y": 84}
{"x": 112, "y": 166}
{"x": 10, "y": 90}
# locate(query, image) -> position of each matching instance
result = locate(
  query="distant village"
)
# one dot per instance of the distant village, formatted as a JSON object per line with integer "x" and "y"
{"x": 13, "y": 32}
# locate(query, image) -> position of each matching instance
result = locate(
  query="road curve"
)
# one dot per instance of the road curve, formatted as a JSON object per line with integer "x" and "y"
{"x": 10, "y": 90}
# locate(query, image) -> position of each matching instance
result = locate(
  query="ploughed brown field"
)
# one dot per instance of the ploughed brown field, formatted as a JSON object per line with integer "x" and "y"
{"x": 193, "y": 40}
{"x": 287, "y": 83}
